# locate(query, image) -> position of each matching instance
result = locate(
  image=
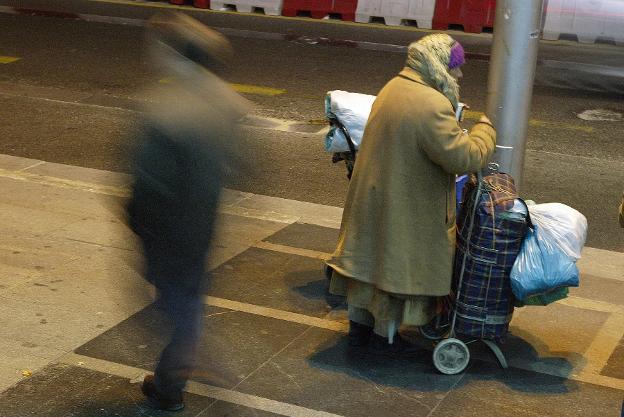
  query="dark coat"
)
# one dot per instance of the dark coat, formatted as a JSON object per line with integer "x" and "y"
{"x": 182, "y": 154}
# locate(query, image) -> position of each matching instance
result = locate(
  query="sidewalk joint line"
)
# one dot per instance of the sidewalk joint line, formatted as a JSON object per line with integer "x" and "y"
{"x": 269, "y": 312}
{"x": 292, "y": 250}
{"x": 197, "y": 388}
{"x": 36, "y": 164}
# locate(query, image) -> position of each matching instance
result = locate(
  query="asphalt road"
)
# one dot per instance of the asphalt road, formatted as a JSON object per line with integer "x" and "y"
{"x": 72, "y": 95}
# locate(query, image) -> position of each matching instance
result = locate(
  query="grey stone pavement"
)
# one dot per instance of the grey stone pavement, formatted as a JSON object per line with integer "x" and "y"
{"x": 79, "y": 329}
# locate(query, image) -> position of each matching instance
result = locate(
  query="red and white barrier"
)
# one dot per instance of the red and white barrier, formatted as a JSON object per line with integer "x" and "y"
{"x": 587, "y": 19}
{"x": 473, "y": 15}
{"x": 270, "y": 7}
{"x": 396, "y": 12}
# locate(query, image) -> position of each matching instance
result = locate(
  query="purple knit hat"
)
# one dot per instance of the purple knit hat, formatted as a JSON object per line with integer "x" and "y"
{"x": 457, "y": 58}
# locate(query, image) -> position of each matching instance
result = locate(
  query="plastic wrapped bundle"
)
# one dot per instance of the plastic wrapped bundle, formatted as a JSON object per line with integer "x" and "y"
{"x": 350, "y": 109}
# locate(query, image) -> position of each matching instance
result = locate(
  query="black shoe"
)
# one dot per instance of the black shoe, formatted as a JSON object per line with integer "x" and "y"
{"x": 359, "y": 334}
{"x": 157, "y": 399}
{"x": 380, "y": 346}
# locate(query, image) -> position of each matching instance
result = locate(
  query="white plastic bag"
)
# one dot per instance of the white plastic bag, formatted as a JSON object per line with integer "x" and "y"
{"x": 352, "y": 110}
{"x": 549, "y": 253}
{"x": 563, "y": 224}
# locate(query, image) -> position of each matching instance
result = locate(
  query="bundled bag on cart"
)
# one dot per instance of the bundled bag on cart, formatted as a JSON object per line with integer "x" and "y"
{"x": 546, "y": 265}
{"x": 352, "y": 111}
{"x": 490, "y": 233}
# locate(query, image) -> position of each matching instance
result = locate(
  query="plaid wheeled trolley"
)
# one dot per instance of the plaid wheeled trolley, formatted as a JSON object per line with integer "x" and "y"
{"x": 489, "y": 238}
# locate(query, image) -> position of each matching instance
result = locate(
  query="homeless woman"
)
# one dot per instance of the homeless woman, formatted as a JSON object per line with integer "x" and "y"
{"x": 395, "y": 251}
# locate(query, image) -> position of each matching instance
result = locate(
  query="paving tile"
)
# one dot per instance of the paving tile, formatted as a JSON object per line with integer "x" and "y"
{"x": 15, "y": 220}
{"x": 319, "y": 371}
{"x": 109, "y": 233}
{"x": 277, "y": 280}
{"x": 600, "y": 289}
{"x": 488, "y": 391}
{"x": 50, "y": 325}
{"x": 68, "y": 391}
{"x": 244, "y": 229}
{"x": 615, "y": 366}
{"x": 552, "y": 339}
{"x": 12, "y": 365}
{"x": 235, "y": 234}
{"x": 233, "y": 344}
{"x": 306, "y": 236}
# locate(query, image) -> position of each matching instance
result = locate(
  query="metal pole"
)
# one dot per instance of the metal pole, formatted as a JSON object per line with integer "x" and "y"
{"x": 510, "y": 84}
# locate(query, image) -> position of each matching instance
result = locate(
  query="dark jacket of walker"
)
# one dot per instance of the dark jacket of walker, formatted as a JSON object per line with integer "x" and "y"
{"x": 182, "y": 154}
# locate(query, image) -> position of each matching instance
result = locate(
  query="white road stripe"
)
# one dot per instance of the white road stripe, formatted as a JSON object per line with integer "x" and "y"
{"x": 222, "y": 394}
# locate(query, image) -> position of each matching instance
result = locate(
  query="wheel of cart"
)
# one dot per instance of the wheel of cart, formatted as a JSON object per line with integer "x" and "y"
{"x": 451, "y": 355}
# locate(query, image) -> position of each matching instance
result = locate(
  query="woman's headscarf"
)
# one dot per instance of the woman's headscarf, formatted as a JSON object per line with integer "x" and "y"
{"x": 432, "y": 57}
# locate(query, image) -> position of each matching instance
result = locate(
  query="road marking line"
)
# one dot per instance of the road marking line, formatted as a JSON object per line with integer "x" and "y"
{"x": 257, "y": 310}
{"x": 293, "y": 250}
{"x": 73, "y": 103}
{"x": 197, "y": 388}
{"x": 8, "y": 59}
{"x": 475, "y": 115}
{"x": 258, "y": 90}
{"x": 241, "y": 88}
{"x": 284, "y": 126}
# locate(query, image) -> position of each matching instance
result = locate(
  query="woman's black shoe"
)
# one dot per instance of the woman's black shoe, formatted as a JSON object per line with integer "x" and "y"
{"x": 359, "y": 334}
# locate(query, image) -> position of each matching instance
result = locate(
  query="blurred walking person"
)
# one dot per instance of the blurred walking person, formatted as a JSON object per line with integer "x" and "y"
{"x": 186, "y": 142}
{"x": 397, "y": 240}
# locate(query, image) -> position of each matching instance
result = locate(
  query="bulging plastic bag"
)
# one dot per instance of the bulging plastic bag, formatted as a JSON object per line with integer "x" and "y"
{"x": 352, "y": 110}
{"x": 550, "y": 250}
{"x": 562, "y": 224}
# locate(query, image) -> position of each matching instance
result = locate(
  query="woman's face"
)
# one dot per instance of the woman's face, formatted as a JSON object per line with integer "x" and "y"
{"x": 456, "y": 73}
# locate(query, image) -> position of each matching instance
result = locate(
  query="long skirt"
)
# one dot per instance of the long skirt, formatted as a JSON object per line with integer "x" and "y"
{"x": 383, "y": 311}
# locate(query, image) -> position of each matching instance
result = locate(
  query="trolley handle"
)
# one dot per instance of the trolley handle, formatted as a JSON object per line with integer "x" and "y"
{"x": 334, "y": 121}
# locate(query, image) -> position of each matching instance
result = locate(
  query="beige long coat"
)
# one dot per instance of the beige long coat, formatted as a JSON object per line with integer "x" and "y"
{"x": 398, "y": 227}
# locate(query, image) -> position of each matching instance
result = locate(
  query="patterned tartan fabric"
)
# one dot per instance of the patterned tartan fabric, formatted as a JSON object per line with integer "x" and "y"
{"x": 486, "y": 303}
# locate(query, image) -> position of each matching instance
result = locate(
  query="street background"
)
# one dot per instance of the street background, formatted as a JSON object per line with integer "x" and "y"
{"x": 70, "y": 93}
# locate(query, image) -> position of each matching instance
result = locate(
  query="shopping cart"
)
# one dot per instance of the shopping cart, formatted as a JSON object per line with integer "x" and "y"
{"x": 484, "y": 315}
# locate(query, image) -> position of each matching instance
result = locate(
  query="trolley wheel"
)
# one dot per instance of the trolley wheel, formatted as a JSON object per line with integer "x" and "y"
{"x": 451, "y": 356}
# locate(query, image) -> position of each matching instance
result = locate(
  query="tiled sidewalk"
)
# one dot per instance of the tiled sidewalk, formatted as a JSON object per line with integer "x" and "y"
{"x": 79, "y": 328}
